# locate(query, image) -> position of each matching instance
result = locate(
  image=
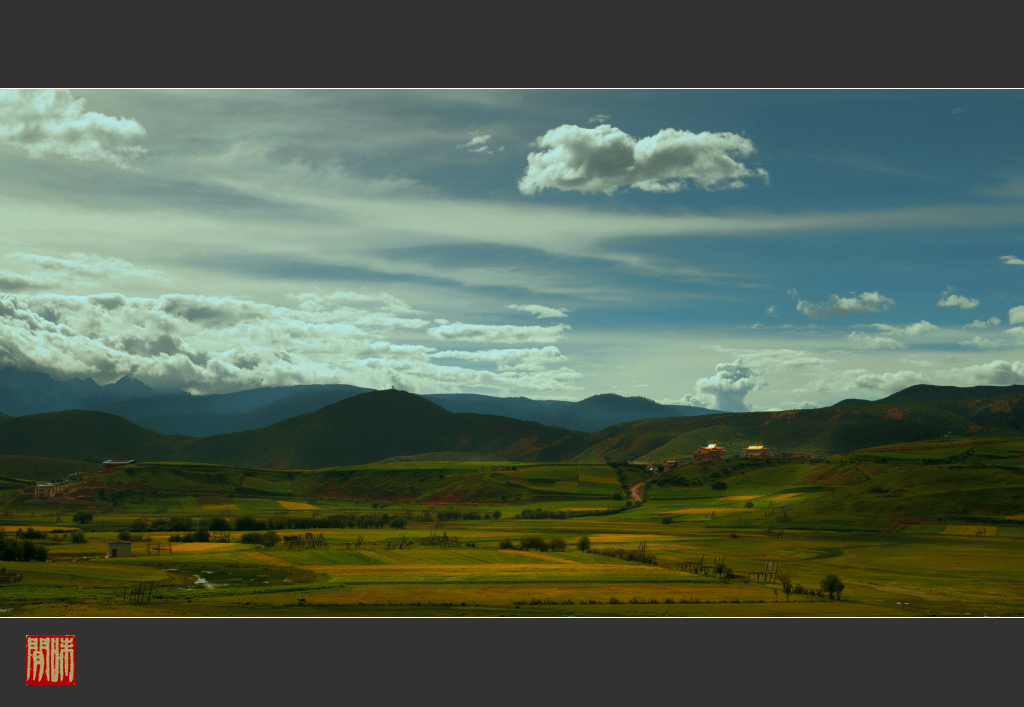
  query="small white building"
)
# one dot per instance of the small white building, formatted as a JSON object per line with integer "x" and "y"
{"x": 119, "y": 548}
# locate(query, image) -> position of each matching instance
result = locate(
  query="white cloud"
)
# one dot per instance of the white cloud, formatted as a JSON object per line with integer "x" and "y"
{"x": 726, "y": 389}
{"x": 916, "y": 329}
{"x": 503, "y": 333}
{"x": 540, "y": 310}
{"x": 993, "y": 373}
{"x": 950, "y": 299}
{"x": 978, "y": 324}
{"x": 195, "y": 343}
{"x": 604, "y": 158}
{"x": 478, "y": 144}
{"x": 866, "y": 341}
{"x": 770, "y": 311}
{"x": 981, "y": 342}
{"x": 1011, "y": 260}
{"x": 1017, "y": 315}
{"x": 599, "y": 118}
{"x": 55, "y": 124}
{"x": 1016, "y": 331}
{"x": 510, "y": 359}
{"x": 864, "y": 302}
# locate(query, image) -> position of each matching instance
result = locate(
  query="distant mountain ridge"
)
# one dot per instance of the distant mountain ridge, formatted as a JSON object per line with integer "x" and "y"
{"x": 27, "y": 392}
{"x": 379, "y": 425}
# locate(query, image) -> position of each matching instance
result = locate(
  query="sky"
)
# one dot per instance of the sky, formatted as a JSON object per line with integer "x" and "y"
{"x": 738, "y": 250}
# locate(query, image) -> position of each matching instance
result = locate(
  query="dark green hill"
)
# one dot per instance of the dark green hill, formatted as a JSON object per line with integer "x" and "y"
{"x": 519, "y": 408}
{"x": 86, "y": 435}
{"x": 948, "y": 393}
{"x": 825, "y": 431}
{"x": 380, "y": 425}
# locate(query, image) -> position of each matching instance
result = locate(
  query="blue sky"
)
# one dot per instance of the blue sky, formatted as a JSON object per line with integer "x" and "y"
{"x": 743, "y": 250}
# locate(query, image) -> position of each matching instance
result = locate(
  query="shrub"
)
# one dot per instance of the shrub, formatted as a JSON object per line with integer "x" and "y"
{"x": 124, "y": 535}
{"x": 77, "y": 536}
{"x": 28, "y": 550}
{"x": 583, "y": 544}
{"x": 556, "y": 545}
{"x": 748, "y": 504}
{"x": 787, "y": 583}
{"x": 41, "y": 553}
{"x": 248, "y": 523}
{"x": 666, "y": 520}
{"x": 505, "y": 544}
{"x": 32, "y": 534}
{"x": 719, "y": 486}
{"x": 533, "y": 542}
{"x": 138, "y": 525}
{"x": 833, "y": 585}
{"x": 496, "y": 515}
{"x": 617, "y": 496}
{"x": 397, "y": 522}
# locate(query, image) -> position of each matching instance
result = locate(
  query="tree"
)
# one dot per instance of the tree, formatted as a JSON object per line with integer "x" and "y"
{"x": 583, "y": 544}
{"x": 787, "y": 584}
{"x": 748, "y": 504}
{"x": 719, "y": 486}
{"x": 82, "y": 518}
{"x": 833, "y": 585}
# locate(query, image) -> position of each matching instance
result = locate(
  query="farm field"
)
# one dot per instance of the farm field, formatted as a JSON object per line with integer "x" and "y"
{"x": 928, "y": 529}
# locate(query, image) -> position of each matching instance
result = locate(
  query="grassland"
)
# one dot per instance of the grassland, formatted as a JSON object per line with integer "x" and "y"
{"x": 919, "y": 529}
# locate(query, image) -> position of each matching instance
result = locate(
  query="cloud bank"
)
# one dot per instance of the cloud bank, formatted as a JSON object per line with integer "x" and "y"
{"x": 864, "y": 302}
{"x": 55, "y": 124}
{"x": 604, "y": 159}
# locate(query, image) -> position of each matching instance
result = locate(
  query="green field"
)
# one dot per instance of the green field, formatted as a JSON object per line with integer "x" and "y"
{"x": 917, "y": 529}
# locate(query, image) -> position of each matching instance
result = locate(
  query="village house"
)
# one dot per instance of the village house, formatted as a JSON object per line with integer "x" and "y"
{"x": 49, "y": 490}
{"x": 119, "y": 548}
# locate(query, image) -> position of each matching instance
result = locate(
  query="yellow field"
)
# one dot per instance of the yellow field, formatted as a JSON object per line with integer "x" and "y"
{"x": 786, "y": 496}
{"x": 600, "y": 479}
{"x": 739, "y": 498}
{"x": 181, "y": 548}
{"x": 1018, "y": 517}
{"x": 297, "y": 506}
{"x": 695, "y": 511}
{"x": 222, "y": 507}
{"x": 44, "y": 528}
{"x": 970, "y": 530}
{"x": 583, "y": 509}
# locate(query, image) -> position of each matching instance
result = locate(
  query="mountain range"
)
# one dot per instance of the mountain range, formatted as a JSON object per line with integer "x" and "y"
{"x": 27, "y": 392}
{"x": 379, "y": 425}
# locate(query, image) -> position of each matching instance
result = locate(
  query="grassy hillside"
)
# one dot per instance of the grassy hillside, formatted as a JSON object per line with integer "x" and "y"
{"x": 824, "y": 431}
{"x": 379, "y": 425}
{"x": 84, "y": 435}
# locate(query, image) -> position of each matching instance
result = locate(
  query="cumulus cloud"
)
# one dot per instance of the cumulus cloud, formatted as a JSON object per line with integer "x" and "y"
{"x": 993, "y": 373}
{"x": 604, "y": 158}
{"x": 916, "y": 329}
{"x": 195, "y": 343}
{"x": 1016, "y": 331}
{"x": 981, "y": 342}
{"x": 978, "y": 324}
{"x": 503, "y": 333}
{"x": 727, "y": 389}
{"x": 55, "y": 124}
{"x": 540, "y": 310}
{"x": 1017, "y": 315}
{"x": 866, "y": 341}
{"x": 1011, "y": 260}
{"x": 864, "y": 302}
{"x": 951, "y": 299}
